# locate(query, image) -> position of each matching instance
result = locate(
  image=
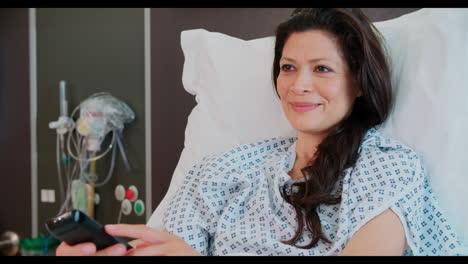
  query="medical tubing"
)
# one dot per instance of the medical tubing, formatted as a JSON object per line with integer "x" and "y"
{"x": 68, "y": 165}
{"x": 71, "y": 169}
{"x": 63, "y": 207}
{"x": 108, "y": 149}
{"x": 59, "y": 171}
{"x": 70, "y": 175}
{"x": 111, "y": 169}
{"x": 91, "y": 159}
{"x": 122, "y": 151}
{"x": 73, "y": 172}
{"x": 75, "y": 141}
{"x": 65, "y": 163}
{"x": 70, "y": 172}
{"x": 66, "y": 204}
{"x": 120, "y": 215}
{"x": 109, "y": 98}
{"x": 82, "y": 165}
{"x": 64, "y": 201}
{"x": 82, "y": 160}
{"x": 78, "y": 144}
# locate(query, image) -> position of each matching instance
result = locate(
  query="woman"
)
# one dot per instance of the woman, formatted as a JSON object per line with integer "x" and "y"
{"x": 338, "y": 188}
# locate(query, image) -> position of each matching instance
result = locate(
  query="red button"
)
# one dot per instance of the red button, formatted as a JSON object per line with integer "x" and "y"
{"x": 129, "y": 194}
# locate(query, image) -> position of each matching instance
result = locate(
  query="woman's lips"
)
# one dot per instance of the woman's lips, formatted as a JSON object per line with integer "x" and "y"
{"x": 304, "y": 107}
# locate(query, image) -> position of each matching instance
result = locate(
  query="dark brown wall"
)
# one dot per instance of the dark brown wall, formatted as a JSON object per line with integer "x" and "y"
{"x": 171, "y": 104}
{"x": 381, "y": 14}
{"x": 15, "y": 150}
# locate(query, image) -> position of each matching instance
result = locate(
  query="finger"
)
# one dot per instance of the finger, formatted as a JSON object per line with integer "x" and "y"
{"x": 149, "y": 250}
{"x": 114, "y": 250}
{"x": 142, "y": 232}
{"x": 144, "y": 244}
{"x": 82, "y": 249}
{"x": 136, "y": 242}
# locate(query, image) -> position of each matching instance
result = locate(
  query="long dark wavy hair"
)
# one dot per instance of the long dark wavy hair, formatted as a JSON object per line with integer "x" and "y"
{"x": 361, "y": 47}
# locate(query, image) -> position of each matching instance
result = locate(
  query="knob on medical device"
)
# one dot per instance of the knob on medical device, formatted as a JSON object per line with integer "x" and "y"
{"x": 126, "y": 207}
{"x": 97, "y": 198}
{"x": 139, "y": 207}
{"x": 132, "y": 193}
{"x": 119, "y": 192}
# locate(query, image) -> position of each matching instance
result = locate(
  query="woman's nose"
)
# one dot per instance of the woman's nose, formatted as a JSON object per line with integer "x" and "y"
{"x": 302, "y": 83}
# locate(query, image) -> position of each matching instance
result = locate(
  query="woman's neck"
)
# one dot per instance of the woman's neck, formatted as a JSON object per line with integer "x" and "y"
{"x": 306, "y": 147}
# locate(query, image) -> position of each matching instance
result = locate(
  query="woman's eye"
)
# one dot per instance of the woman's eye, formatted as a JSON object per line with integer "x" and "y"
{"x": 287, "y": 67}
{"x": 322, "y": 69}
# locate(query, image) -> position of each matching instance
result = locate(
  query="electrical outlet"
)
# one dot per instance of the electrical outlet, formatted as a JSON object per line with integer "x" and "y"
{"x": 51, "y": 195}
{"x": 44, "y": 196}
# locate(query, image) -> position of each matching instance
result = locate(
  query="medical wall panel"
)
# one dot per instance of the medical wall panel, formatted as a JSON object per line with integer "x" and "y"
{"x": 92, "y": 50}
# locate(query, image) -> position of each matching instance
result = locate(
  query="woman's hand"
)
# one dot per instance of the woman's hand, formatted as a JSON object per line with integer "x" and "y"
{"x": 151, "y": 242}
{"x": 89, "y": 249}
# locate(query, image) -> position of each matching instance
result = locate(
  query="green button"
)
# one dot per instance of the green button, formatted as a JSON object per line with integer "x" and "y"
{"x": 139, "y": 207}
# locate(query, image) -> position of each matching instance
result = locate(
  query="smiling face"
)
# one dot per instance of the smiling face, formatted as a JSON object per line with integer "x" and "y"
{"x": 314, "y": 83}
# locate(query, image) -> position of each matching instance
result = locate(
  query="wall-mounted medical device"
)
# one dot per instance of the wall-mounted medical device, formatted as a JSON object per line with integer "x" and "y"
{"x": 79, "y": 146}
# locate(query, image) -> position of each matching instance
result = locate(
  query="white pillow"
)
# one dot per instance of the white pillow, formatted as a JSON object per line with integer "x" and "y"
{"x": 236, "y": 103}
{"x": 429, "y": 53}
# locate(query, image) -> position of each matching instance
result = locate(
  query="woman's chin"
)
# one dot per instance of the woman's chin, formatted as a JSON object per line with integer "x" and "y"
{"x": 309, "y": 130}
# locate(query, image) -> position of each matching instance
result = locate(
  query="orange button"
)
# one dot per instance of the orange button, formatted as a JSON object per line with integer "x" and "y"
{"x": 129, "y": 194}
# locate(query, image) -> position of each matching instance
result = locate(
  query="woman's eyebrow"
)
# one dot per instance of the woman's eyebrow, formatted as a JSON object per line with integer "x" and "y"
{"x": 310, "y": 61}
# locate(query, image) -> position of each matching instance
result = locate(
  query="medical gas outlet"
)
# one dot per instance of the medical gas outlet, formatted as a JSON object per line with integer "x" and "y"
{"x": 127, "y": 197}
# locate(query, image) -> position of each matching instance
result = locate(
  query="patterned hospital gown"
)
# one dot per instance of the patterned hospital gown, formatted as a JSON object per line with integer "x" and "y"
{"x": 230, "y": 203}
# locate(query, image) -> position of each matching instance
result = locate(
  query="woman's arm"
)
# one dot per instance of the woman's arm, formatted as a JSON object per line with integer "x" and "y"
{"x": 382, "y": 236}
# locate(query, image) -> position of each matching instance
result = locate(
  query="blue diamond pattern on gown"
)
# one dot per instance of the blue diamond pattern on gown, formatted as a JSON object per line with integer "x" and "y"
{"x": 230, "y": 203}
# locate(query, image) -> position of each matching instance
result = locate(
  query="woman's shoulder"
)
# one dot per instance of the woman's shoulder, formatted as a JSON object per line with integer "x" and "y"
{"x": 375, "y": 141}
{"x": 377, "y": 147}
{"x": 383, "y": 160}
